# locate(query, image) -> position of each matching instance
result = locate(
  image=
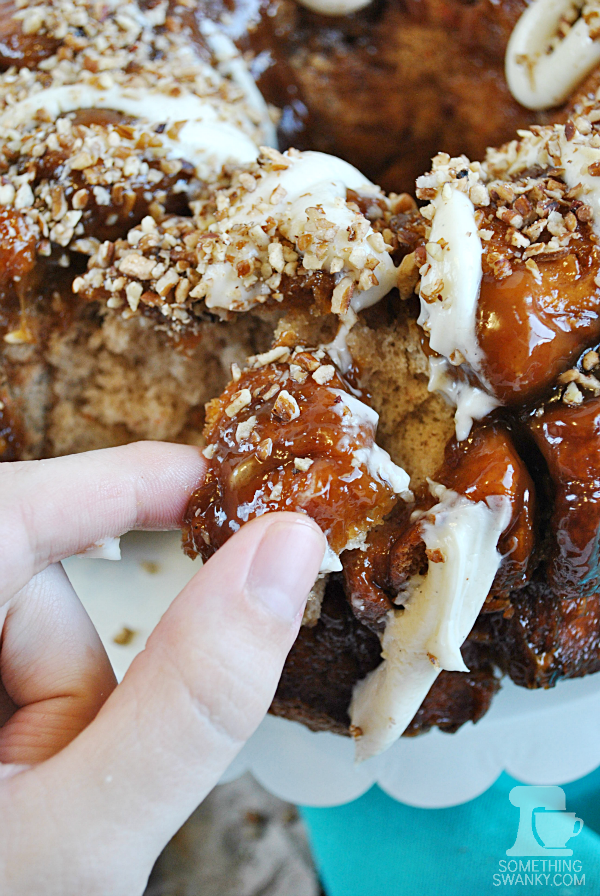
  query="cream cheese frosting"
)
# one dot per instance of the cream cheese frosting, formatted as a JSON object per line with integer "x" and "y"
{"x": 108, "y": 549}
{"x": 471, "y": 402}
{"x": 450, "y": 285}
{"x": 205, "y": 136}
{"x": 307, "y": 193}
{"x": 438, "y": 612}
{"x": 452, "y": 275}
{"x": 334, "y": 7}
{"x": 356, "y": 416}
{"x": 543, "y": 68}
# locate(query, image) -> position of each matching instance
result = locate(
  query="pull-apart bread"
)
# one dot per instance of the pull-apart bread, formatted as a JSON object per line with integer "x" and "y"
{"x": 386, "y": 84}
{"x": 419, "y": 380}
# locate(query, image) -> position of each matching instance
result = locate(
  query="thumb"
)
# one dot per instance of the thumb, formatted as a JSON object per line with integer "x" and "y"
{"x": 182, "y": 712}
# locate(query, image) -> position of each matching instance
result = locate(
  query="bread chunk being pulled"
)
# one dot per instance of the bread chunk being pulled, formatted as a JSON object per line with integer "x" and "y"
{"x": 289, "y": 434}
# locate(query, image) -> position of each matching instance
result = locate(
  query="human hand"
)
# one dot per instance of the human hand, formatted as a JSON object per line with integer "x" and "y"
{"x": 95, "y": 778}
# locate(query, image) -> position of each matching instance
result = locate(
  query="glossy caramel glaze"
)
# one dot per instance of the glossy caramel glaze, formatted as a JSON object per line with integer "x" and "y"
{"x": 488, "y": 464}
{"x": 299, "y": 453}
{"x": 20, "y": 275}
{"x": 532, "y": 323}
{"x": 19, "y": 49}
{"x": 482, "y": 466}
{"x": 389, "y": 86}
{"x": 569, "y": 440}
{"x": 544, "y": 637}
{"x": 17, "y": 246}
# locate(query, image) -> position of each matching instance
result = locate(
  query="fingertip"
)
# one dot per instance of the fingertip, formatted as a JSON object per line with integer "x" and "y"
{"x": 274, "y": 560}
{"x": 285, "y": 565}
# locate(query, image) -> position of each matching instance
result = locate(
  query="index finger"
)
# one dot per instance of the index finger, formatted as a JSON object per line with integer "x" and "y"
{"x": 50, "y": 509}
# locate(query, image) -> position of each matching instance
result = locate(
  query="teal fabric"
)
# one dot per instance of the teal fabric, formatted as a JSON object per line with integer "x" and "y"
{"x": 376, "y": 846}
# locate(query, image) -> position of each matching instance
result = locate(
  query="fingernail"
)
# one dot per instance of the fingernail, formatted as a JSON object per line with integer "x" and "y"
{"x": 285, "y": 567}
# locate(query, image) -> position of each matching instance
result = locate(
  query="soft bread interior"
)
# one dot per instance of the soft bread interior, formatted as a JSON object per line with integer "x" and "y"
{"x": 105, "y": 381}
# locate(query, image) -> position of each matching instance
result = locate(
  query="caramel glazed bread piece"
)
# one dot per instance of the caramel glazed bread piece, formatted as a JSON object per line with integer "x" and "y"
{"x": 148, "y": 170}
{"x": 471, "y": 568}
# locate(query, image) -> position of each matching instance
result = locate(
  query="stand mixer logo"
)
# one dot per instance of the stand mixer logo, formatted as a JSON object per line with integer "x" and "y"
{"x": 544, "y": 824}
{"x": 540, "y": 855}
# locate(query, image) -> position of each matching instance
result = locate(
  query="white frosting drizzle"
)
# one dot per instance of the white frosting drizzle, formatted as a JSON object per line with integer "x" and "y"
{"x": 206, "y": 139}
{"x": 311, "y": 179}
{"x": 331, "y": 562}
{"x": 471, "y": 402}
{"x": 440, "y": 610}
{"x": 451, "y": 279}
{"x": 338, "y": 349}
{"x": 334, "y": 7}
{"x": 449, "y": 292}
{"x": 378, "y": 463}
{"x": 382, "y": 468}
{"x": 540, "y": 79}
{"x": 357, "y": 416}
{"x": 360, "y": 415}
{"x": 576, "y": 156}
{"x": 231, "y": 64}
